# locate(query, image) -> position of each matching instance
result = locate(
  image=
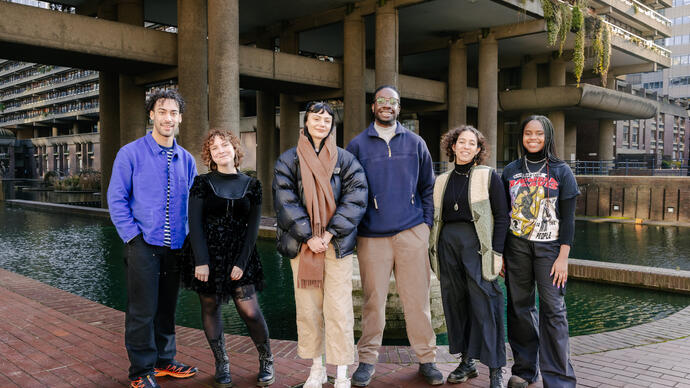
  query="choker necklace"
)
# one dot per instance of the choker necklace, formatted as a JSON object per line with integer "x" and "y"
{"x": 540, "y": 168}
{"x": 536, "y": 161}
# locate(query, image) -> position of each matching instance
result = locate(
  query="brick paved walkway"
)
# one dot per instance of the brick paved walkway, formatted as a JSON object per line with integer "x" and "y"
{"x": 51, "y": 338}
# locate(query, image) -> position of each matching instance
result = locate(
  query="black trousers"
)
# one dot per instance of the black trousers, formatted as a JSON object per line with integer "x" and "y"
{"x": 153, "y": 279}
{"x": 539, "y": 343}
{"x": 473, "y": 307}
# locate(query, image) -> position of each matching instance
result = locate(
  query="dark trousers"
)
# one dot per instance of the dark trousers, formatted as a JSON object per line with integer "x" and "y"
{"x": 546, "y": 349}
{"x": 153, "y": 280}
{"x": 473, "y": 307}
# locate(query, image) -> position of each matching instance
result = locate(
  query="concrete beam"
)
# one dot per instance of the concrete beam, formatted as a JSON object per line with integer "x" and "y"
{"x": 632, "y": 69}
{"x": 472, "y": 37}
{"x": 71, "y": 33}
{"x": 594, "y": 101}
{"x": 320, "y": 19}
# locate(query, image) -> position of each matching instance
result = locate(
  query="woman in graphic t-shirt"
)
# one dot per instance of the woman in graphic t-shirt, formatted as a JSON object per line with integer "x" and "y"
{"x": 542, "y": 191}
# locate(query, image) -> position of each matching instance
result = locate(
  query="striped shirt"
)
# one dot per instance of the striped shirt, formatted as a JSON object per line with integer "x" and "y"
{"x": 166, "y": 225}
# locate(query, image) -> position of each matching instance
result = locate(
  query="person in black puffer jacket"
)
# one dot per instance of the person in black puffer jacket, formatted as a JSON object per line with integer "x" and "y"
{"x": 317, "y": 230}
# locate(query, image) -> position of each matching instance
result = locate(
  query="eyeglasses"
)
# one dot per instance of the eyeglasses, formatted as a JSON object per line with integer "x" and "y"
{"x": 392, "y": 101}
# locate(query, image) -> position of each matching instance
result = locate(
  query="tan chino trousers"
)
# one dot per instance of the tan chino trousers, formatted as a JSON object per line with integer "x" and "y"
{"x": 406, "y": 255}
{"x": 326, "y": 313}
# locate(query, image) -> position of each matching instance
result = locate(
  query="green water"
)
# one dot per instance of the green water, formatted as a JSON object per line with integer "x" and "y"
{"x": 84, "y": 256}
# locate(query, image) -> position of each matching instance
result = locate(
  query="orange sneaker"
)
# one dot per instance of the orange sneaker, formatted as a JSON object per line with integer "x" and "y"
{"x": 176, "y": 369}
{"x": 147, "y": 381}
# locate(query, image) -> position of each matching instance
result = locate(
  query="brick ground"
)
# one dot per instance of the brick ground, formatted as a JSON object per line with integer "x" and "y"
{"x": 51, "y": 338}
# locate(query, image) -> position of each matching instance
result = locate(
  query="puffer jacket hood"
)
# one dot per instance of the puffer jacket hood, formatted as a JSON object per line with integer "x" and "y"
{"x": 294, "y": 227}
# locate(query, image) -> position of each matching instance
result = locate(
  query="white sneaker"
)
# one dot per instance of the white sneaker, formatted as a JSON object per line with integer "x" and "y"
{"x": 341, "y": 383}
{"x": 317, "y": 377}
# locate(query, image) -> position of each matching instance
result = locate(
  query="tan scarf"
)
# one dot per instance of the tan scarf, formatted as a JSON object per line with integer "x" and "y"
{"x": 316, "y": 171}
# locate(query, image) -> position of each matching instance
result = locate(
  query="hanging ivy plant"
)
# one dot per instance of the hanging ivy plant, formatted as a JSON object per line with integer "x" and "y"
{"x": 579, "y": 49}
{"x": 576, "y": 17}
{"x": 566, "y": 17}
{"x": 552, "y": 21}
{"x": 605, "y": 59}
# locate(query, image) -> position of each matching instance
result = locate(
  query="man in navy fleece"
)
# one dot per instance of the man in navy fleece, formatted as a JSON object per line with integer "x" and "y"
{"x": 394, "y": 234}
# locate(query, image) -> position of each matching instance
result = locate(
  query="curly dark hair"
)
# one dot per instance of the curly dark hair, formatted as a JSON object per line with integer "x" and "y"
{"x": 165, "y": 94}
{"x": 450, "y": 137}
{"x": 225, "y": 135}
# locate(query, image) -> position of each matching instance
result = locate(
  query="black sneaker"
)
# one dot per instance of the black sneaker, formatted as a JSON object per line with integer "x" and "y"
{"x": 466, "y": 370}
{"x": 431, "y": 374}
{"x": 363, "y": 374}
{"x": 148, "y": 381}
{"x": 175, "y": 369}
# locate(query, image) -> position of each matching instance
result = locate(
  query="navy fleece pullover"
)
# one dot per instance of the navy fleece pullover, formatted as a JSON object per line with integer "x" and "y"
{"x": 401, "y": 181}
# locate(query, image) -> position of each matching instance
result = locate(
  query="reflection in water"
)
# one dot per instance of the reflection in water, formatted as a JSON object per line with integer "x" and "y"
{"x": 84, "y": 256}
{"x": 646, "y": 245}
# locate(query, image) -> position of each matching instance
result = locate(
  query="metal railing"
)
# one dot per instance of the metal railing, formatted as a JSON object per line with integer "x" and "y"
{"x": 605, "y": 167}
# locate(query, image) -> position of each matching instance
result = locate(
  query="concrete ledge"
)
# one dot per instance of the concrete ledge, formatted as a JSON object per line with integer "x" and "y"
{"x": 662, "y": 279}
{"x": 58, "y": 208}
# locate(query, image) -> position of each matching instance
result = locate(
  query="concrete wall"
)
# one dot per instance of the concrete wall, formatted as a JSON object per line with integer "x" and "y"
{"x": 648, "y": 198}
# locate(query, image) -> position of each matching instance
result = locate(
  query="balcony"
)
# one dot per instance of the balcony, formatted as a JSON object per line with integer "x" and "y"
{"x": 22, "y": 66}
{"x": 658, "y": 4}
{"x": 89, "y": 76}
{"x": 53, "y": 71}
{"x": 638, "y": 46}
{"x": 652, "y": 24}
{"x": 52, "y": 101}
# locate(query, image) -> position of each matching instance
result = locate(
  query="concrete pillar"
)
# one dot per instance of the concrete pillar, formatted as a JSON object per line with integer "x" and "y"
{"x": 109, "y": 127}
{"x": 131, "y": 12}
{"x": 529, "y": 74}
{"x": 11, "y": 164}
{"x": 73, "y": 161}
{"x": 488, "y": 93}
{"x": 289, "y": 109}
{"x": 557, "y": 78}
{"x": 386, "y": 51}
{"x": 75, "y": 128}
{"x": 132, "y": 110}
{"x": 457, "y": 84}
{"x": 289, "y": 122}
{"x": 132, "y": 96}
{"x": 570, "y": 152}
{"x": 607, "y": 129}
{"x": 192, "y": 68}
{"x": 54, "y": 131}
{"x": 266, "y": 147}
{"x": 355, "y": 104}
{"x": 223, "y": 65}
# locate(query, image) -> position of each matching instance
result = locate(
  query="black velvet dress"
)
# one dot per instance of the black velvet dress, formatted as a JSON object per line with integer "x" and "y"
{"x": 224, "y": 217}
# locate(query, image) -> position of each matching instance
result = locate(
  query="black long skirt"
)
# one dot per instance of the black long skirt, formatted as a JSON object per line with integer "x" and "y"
{"x": 473, "y": 306}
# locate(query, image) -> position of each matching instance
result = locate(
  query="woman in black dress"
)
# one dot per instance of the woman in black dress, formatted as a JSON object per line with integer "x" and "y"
{"x": 470, "y": 226}
{"x": 223, "y": 263}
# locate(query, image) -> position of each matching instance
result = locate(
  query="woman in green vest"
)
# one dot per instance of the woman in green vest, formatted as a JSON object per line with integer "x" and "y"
{"x": 470, "y": 225}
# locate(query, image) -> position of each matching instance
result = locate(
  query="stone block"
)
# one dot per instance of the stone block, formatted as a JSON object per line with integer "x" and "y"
{"x": 644, "y": 194}
{"x": 604, "y": 201}
{"x": 592, "y": 201}
{"x": 656, "y": 201}
{"x": 617, "y": 200}
{"x": 670, "y": 209}
{"x": 630, "y": 201}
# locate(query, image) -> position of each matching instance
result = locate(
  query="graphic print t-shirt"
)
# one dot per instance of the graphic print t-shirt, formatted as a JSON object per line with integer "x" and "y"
{"x": 534, "y": 198}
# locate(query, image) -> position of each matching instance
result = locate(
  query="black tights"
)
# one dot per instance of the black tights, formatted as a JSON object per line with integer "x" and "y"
{"x": 247, "y": 306}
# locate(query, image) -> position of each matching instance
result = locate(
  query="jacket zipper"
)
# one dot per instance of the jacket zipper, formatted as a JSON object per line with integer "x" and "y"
{"x": 389, "y": 148}
{"x": 376, "y": 204}
{"x": 412, "y": 199}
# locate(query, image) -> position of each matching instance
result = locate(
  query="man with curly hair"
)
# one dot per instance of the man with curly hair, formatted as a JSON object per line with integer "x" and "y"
{"x": 147, "y": 198}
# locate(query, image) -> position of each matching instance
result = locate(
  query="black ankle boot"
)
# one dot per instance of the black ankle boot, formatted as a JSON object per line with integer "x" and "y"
{"x": 266, "y": 373}
{"x": 223, "y": 378}
{"x": 495, "y": 377}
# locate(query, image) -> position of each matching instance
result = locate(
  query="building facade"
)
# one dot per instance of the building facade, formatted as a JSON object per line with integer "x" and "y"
{"x": 53, "y": 113}
{"x": 485, "y": 63}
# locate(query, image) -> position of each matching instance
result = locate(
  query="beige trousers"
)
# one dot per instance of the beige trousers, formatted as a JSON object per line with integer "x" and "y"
{"x": 326, "y": 309}
{"x": 406, "y": 255}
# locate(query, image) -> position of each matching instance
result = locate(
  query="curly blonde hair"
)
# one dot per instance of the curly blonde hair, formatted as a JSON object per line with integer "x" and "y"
{"x": 450, "y": 137}
{"x": 225, "y": 135}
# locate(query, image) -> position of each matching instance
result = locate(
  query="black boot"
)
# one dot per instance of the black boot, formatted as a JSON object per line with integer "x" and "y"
{"x": 467, "y": 369}
{"x": 266, "y": 374}
{"x": 495, "y": 377}
{"x": 223, "y": 378}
